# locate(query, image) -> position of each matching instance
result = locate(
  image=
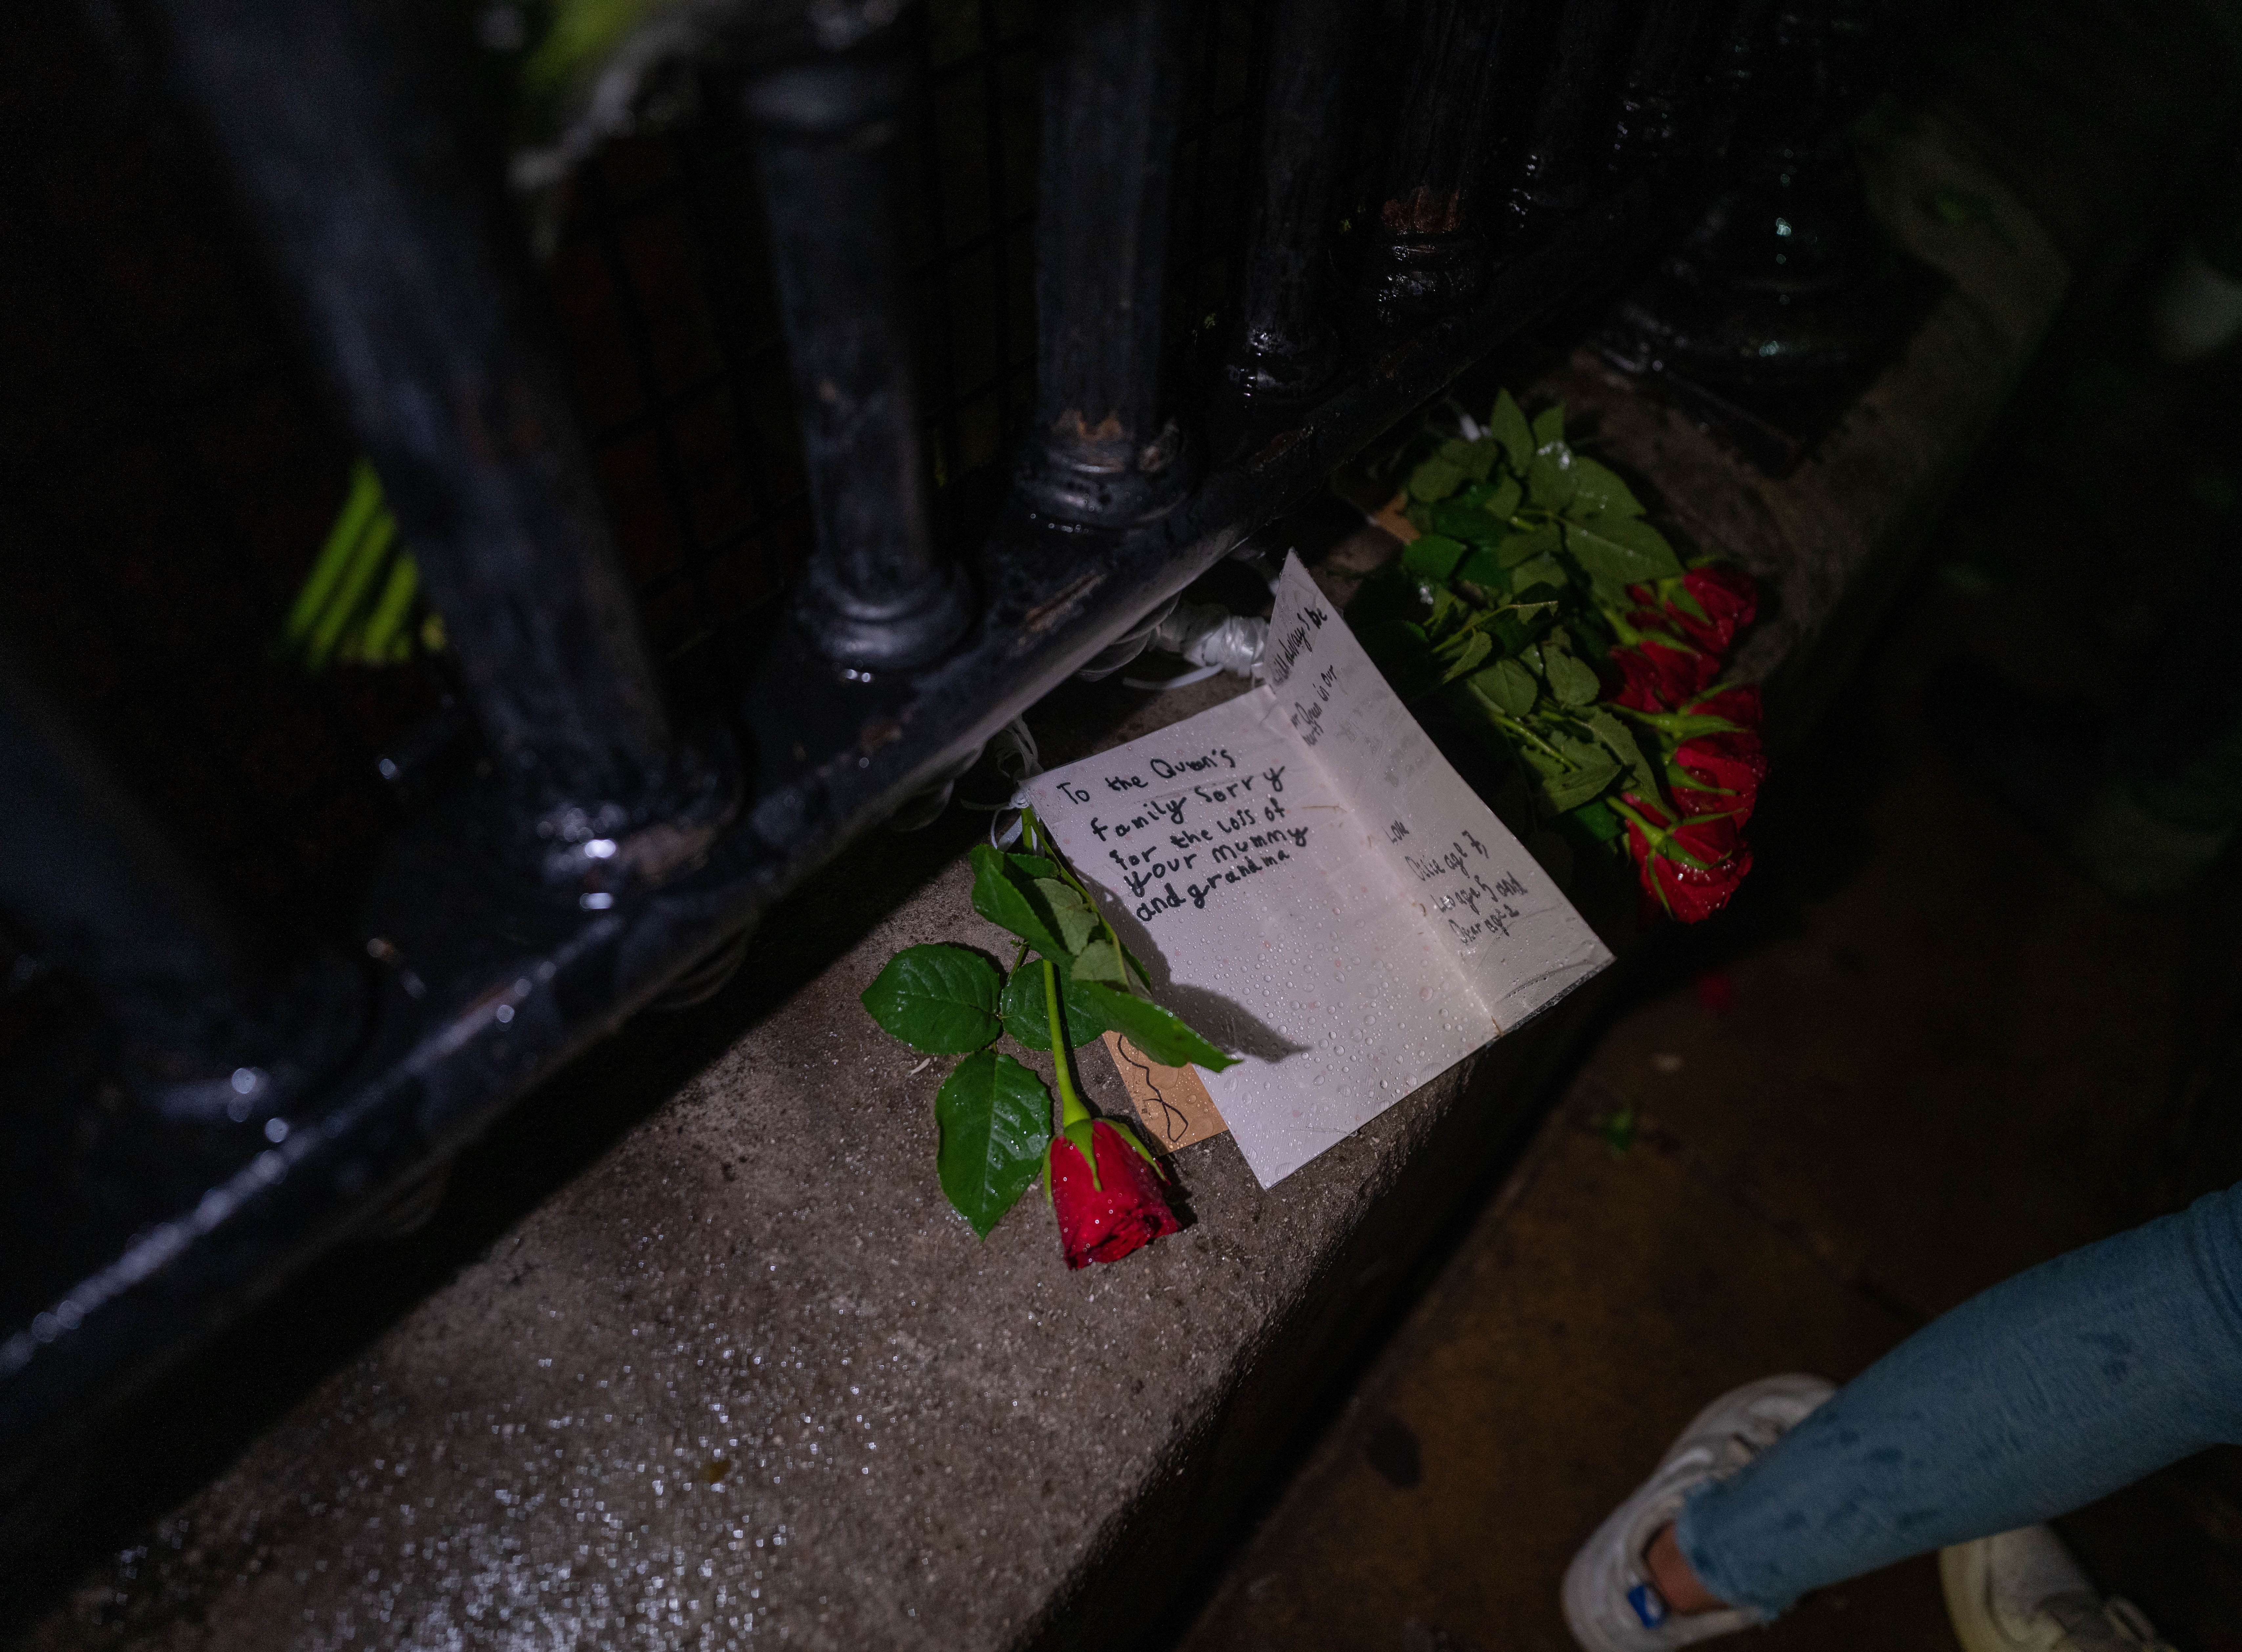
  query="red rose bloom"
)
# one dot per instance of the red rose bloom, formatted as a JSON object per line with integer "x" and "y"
{"x": 1704, "y": 608}
{"x": 1728, "y": 600}
{"x": 1658, "y": 676}
{"x": 1690, "y": 867}
{"x": 1720, "y": 773}
{"x": 1121, "y": 1210}
{"x": 1704, "y": 838}
{"x": 1737, "y": 704}
{"x": 1693, "y": 894}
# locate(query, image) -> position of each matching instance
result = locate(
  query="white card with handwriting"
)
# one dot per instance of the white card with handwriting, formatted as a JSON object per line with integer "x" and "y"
{"x": 1313, "y": 887}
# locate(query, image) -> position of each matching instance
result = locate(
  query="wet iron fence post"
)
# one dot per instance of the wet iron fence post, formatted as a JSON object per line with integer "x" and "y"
{"x": 347, "y": 133}
{"x": 1567, "y": 149}
{"x": 1663, "y": 92}
{"x": 878, "y": 595}
{"x": 1286, "y": 347}
{"x": 1431, "y": 242}
{"x": 1106, "y": 450}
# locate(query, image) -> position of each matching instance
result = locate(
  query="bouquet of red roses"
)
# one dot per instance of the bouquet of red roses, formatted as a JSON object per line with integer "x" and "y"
{"x": 1538, "y": 606}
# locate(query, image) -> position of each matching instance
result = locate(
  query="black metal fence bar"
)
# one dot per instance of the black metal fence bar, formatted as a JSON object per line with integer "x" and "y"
{"x": 1566, "y": 151}
{"x": 1286, "y": 347}
{"x": 1105, "y": 449}
{"x": 374, "y": 197}
{"x": 877, "y": 594}
{"x": 1662, "y": 93}
{"x": 1430, "y": 246}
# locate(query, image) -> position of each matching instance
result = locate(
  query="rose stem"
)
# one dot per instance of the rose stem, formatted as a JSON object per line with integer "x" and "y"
{"x": 1071, "y": 1110}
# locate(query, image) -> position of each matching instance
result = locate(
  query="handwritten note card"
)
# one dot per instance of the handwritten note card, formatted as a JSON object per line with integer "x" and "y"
{"x": 1314, "y": 888}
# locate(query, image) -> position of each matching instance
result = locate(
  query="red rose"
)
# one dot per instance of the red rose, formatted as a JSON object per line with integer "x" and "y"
{"x": 1102, "y": 1217}
{"x": 1704, "y": 608}
{"x": 1693, "y": 796}
{"x": 1727, "y": 600}
{"x": 1690, "y": 867}
{"x": 1693, "y": 894}
{"x": 1704, "y": 838}
{"x": 1658, "y": 676}
{"x": 1737, "y": 704}
{"x": 1726, "y": 768}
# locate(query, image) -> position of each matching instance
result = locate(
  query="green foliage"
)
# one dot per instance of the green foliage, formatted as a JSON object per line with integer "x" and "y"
{"x": 1432, "y": 555}
{"x": 357, "y": 605}
{"x": 1006, "y": 894}
{"x": 1158, "y": 1032}
{"x": 994, "y": 1115}
{"x": 1027, "y": 1011}
{"x": 1507, "y": 425}
{"x": 1619, "y": 550}
{"x": 941, "y": 999}
{"x": 1072, "y": 912}
{"x": 1502, "y": 611}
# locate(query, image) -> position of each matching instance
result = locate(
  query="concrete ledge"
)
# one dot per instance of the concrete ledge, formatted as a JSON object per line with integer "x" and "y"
{"x": 747, "y": 1381}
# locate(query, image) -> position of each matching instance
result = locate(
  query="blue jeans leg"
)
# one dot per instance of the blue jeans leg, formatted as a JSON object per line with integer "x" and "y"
{"x": 2048, "y": 1391}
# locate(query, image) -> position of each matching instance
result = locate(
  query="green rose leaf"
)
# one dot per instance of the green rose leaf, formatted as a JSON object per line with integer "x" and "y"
{"x": 1597, "y": 491}
{"x": 1433, "y": 556}
{"x": 1549, "y": 482}
{"x": 1573, "y": 682}
{"x": 941, "y": 999}
{"x": 1476, "y": 648}
{"x": 1152, "y": 1030}
{"x": 1403, "y": 654}
{"x": 1508, "y": 426}
{"x": 1027, "y": 1009}
{"x": 1076, "y": 922}
{"x": 1549, "y": 425}
{"x": 1008, "y": 903}
{"x": 1483, "y": 569}
{"x": 1136, "y": 965}
{"x": 1032, "y": 866}
{"x": 1542, "y": 570}
{"x": 1100, "y": 961}
{"x": 1592, "y": 770}
{"x": 1545, "y": 540}
{"x": 1474, "y": 459}
{"x": 1435, "y": 478}
{"x": 1641, "y": 777}
{"x": 1498, "y": 498}
{"x": 1510, "y": 685}
{"x": 1516, "y": 625}
{"x": 1621, "y": 551}
{"x": 1599, "y": 821}
{"x": 1460, "y": 520}
{"x": 995, "y": 1118}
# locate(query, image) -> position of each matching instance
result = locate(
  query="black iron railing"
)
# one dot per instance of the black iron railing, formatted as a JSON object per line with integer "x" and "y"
{"x": 1373, "y": 198}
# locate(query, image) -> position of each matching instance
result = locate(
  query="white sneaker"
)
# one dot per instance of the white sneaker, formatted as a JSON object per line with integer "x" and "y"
{"x": 2024, "y": 1591}
{"x": 1611, "y": 1605}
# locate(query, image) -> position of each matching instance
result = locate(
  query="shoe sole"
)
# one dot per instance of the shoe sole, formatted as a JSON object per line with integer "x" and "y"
{"x": 1962, "y": 1574}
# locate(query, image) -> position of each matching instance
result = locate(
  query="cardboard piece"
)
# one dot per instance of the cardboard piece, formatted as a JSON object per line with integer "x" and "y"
{"x": 1173, "y": 1104}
